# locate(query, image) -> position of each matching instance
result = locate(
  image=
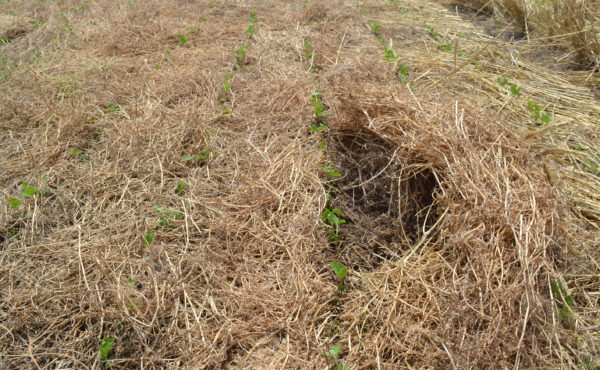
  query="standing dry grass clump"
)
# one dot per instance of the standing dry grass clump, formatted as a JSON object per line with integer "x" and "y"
{"x": 573, "y": 25}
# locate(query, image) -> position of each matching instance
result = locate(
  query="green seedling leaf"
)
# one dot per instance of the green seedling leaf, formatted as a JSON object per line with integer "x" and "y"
{"x": 339, "y": 269}
{"x": 389, "y": 53}
{"x": 308, "y": 49}
{"x": 317, "y": 128}
{"x": 514, "y": 90}
{"x": 226, "y": 111}
{"x": 253, "y": 19}
{"x": 182, "y": 39}
{"x": 149, "y": 237}
{"x": 14, "y": 202}
{"x": 374, "y": 27}
{"x": 546, "y": 118}
{"x": 113, "y": 106}
{"x": 189, "y": 157}
{"x": 180, "y": 188}
{"x": 105, "y": 347}
{"x": 74, "y": 151}
{"x": 502, "y": 81}
{"x": 249, "y": 31}
{"x": 334, "y": 352}
{"x": 28, "y": 191}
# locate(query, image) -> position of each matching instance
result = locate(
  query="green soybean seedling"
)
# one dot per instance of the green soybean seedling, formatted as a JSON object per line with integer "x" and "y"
{"x": 113, "y": 107}
{"x": 566, "y": 301}
{"x": 240, "y": 56}
{"x": 331, "y": 173}
{"x": 37, "y": 23}
{"x": 149, "y": 237}
{"x": 374, "y": 27}
{"x": 180, "y": 190}
{"x": 432, "y": 32}
{"x": 334, "y": 219}
{"x": 341, "y": 271}
{"x": 308, "y": 49}
{"x": 28, "y": 191}
{"x": 167, "y": 216}
{"x": 319, "y": 125}
{"x": 309, "y": 53}
{"x": 514, "y": 90}
{"x": 403, "y": 73}
{"x": 537, "y": 113}
{"x": 14, "y": 202}
{"x": 389, "y": 53}
{"x": 253, "y": 20}
{"x": 202, "y": 156}
{"x": 182, "y": 39}
{"x": 105, "y": 346}
{"x": 333, "y": 356}
{"x": 503, "y": 81}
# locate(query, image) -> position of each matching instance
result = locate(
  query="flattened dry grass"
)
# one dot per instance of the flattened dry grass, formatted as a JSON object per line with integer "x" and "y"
{"x": 462, "y": 209}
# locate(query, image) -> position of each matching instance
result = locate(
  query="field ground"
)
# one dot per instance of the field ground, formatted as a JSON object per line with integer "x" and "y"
{"x": 177, "y": 178}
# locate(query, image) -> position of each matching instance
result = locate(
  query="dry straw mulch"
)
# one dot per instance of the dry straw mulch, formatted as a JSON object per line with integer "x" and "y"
{"x": 462, "y": 210}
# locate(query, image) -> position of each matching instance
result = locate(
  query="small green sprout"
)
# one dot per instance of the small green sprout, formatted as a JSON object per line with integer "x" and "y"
{"x": 514, "y": 90}
{"x": 333, "y": 356}
{"x": 403, "y": 73}
{"x": 37, "y": 23}
{"x": 537, "y": 113}
{"x": 194, "y": 28}
{"x": 333, "y": 218}
{"x": 389, "y": 53}
{"x": 180, "y": 190}
{"x": 332, "y": 174}
{"x": 340, "y": 270}
{"x": 308, "y": 49}
{"x": 105, "y": 346}
{"x": 566, "y": 301}
{"x": 374, "y": 27}
{"x": 249, "y": 31}
{"x": 226, "y": 111}
{"x": 205, "y": 154}
{"x": 113, "y": 106}
{"x": 167, "y": 215}
{"x": 315, "y": 98}
{"x": 28, "y": 191}
{"x": 183, "y": 39}
{"x": 240, "y": 56}
{"x": 432, "y": 32}
{"x": 253, "y": 19}
{"x": 546, "y": 118}
{"x": 446, "y": 47}
{"x": 74, "y": 151}
{"x": 149, "y": 237}
{"x": 14, "y": 202}
{"x": 502, "y": 80}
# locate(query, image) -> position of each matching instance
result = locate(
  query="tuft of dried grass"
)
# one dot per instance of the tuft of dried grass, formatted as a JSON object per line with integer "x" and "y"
{"x": 570, "y": 24}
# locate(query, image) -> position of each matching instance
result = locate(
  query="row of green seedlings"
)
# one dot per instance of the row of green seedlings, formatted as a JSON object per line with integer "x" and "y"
{"x": 401, "y": 70}
{"x": 238, "y": 62}
{"x": 538, "y": 114}
{"x": 333, "y": 218}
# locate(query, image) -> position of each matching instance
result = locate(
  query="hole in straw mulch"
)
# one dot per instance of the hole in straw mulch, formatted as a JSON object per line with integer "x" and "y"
{"x": 386, "y": 199}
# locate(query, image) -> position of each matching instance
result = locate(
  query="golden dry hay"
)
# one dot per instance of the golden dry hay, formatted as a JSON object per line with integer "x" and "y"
{"x": 179, "y": 192}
